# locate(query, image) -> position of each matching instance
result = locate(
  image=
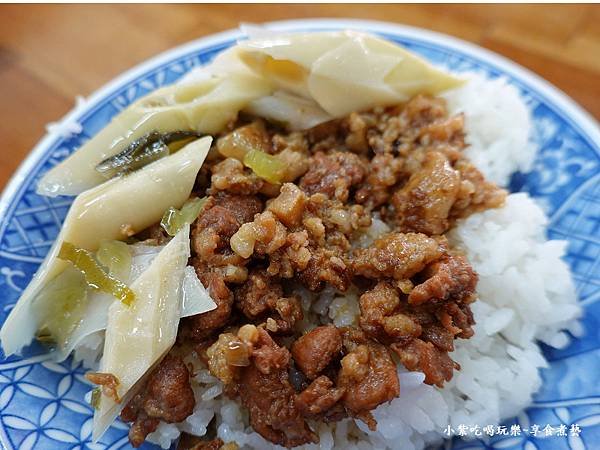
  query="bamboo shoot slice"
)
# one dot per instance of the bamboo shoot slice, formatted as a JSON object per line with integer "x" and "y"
{"x": 139, "y": 336}
{"x": 135, "y": 201}
{"x": 343, "y": 71}
{"x": 291, "y": 111}
{"x": 196, "y": 300}
{"x": 203, "y": 106}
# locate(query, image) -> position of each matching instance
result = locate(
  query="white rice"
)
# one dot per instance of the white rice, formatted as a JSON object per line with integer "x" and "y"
{"x": 497, "y": 126}
{"x": 525, "y": 294}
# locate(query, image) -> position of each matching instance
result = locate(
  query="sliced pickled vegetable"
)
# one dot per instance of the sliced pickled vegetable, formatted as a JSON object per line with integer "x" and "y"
{"x": 173, "y": 218}
{"x": 343, "y": 71}
{"x": 45, "y": 337}
{"x": 96, "y": 395}
{"x": 139, "y": 200}
{"x": 267, "y": 167}
{"x": 288, "y": 111}
{"x": 196, "y": 299}
{"x": 95, "y": 317}
{"x": 240, "y": 141}
{"x": 138, "y": 337}
{"x": 116, "y": 257}
{"x": 61, "y": 307}
{"x": 119, "y": 166}
{"x": 93, "y": 273}
{"x": 179, "y": 144}
{"x": 204, "y": 106}
{"x": 143, "y": 151}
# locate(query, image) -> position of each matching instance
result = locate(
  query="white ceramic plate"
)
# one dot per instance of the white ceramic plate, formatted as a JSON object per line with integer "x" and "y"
{"x": 42, "y": 403}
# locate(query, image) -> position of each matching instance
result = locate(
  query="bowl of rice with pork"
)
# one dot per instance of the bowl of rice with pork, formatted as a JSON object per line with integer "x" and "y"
{"x": 308, "y": 242}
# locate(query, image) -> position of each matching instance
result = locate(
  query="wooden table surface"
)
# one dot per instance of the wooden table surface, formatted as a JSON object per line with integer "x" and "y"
{"x": 51, "y": 53}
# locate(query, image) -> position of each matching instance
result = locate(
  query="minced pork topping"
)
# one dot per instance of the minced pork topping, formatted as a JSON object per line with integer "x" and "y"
{"x": 296, "y": 223}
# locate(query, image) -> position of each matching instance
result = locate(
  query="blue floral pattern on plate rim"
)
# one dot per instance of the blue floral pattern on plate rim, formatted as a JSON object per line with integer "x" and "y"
{"x": 42, "y": 403}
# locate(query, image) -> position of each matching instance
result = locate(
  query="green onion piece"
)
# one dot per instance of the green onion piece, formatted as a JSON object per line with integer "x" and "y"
{"x": 267, "y": 167}
{"x": 173, "y": 219}
{"x": 116, "y": 257}
{"x": 96, "y": 395}
{"x": 93, "y": 273}
{"x": 61, "y": 306}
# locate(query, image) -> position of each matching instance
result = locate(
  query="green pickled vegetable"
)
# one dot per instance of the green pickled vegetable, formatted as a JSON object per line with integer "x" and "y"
{"x": 44, "y": 335}
{"x": 178, "y": 145}
{"x": 61, "y": 305}
{"x": 94, "y": 275}
{"x": 116, "y": 257}
{"x": 145, "y": 150}
{"x": 267, "y": 167}
{"x": 244, "y": 139}
{"x": 95, "y": 400}
{"x": 130, "y": 161}
{"x": 173, "y": 219}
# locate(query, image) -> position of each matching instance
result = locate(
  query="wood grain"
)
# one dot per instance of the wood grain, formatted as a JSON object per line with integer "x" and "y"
{"x": 51, "y": 53}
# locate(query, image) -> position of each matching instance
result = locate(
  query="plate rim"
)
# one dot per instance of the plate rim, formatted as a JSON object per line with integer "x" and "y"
{"x": 581, "y": 118}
